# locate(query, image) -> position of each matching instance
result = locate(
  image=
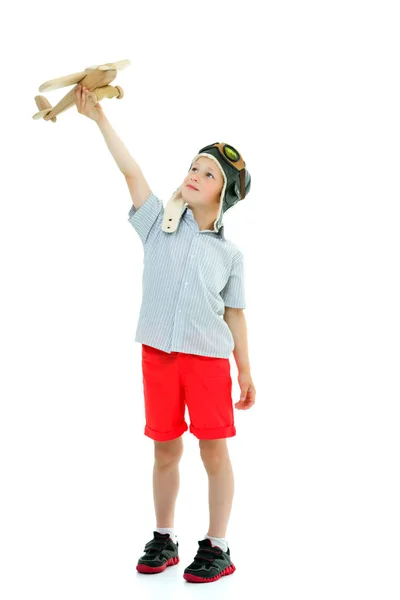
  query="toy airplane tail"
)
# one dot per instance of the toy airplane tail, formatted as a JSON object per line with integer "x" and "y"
{"x": 44, "y": 107}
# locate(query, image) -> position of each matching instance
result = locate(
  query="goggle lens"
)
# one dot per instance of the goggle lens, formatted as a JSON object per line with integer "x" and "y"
{"x": 231, "y": 153}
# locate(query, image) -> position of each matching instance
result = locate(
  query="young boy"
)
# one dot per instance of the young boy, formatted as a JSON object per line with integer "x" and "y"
{"x": 191, "y": 319}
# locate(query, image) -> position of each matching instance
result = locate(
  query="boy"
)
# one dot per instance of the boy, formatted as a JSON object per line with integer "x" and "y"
{"x": 191, "y": 319}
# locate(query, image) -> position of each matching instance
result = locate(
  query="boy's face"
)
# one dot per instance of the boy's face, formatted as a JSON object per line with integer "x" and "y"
{"x": 207, "y": 178}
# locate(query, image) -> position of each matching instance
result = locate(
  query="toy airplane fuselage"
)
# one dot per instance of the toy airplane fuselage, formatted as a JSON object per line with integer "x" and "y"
{"x": 95, "y": 79}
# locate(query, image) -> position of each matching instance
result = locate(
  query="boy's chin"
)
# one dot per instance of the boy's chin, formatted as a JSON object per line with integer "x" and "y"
{"x": 187, "y": 198}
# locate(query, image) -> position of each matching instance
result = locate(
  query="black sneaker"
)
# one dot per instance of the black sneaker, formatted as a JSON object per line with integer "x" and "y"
{"x": 161, "y": 552}
{"x": 210, "y": 563}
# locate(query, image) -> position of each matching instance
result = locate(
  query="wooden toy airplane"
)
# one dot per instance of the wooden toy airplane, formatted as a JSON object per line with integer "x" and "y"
{"x": 95, "y": 79}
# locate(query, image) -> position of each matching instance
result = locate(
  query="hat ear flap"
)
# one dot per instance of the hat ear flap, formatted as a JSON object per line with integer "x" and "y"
{"x": 232, "y": 194}
{"x": 177, "y": 193}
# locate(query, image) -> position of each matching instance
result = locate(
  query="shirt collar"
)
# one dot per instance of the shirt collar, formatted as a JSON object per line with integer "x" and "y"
{"x": 188, "y": 216}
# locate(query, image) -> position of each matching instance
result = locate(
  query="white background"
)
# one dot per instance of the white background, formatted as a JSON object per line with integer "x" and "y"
{"x": 308, "y": 92}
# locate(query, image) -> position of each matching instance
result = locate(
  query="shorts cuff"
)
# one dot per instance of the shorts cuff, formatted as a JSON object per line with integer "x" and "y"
{"x": 214, "y": 434}
{"x": 165, "y": 436}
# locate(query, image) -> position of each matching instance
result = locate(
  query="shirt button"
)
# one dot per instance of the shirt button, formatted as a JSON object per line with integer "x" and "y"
{"x": 186, "y": 283}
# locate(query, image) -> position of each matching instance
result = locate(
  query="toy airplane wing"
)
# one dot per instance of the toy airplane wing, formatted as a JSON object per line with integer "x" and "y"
{"x": 55, "y": 84}
{"x": 74, "y": 78}
{"x": 119, "y": 65}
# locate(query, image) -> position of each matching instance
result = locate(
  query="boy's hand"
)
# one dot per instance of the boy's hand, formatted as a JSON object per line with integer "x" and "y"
{"x": 84, "y": 104}
{"x": 247, "y": 392}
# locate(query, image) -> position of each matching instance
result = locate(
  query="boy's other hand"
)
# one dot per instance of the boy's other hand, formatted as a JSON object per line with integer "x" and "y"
{"x": 247, "y": 392}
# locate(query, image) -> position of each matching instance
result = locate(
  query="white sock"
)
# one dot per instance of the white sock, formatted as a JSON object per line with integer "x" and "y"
{"x": 221, "y": 542}
{"x": 171, "y": 532}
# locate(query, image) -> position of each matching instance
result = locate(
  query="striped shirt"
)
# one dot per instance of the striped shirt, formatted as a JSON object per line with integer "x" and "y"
{"x": 189, "y": 276}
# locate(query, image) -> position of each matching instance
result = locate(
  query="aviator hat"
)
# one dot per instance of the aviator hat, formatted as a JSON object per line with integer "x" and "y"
{"x": 237, "y": 183}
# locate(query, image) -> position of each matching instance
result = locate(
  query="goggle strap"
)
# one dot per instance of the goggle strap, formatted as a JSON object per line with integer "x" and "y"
{"x": 242, "y": 183}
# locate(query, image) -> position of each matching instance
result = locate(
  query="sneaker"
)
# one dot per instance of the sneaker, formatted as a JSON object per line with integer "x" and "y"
{"x": 161, "y": 552}
{"x": 210, "y": 563}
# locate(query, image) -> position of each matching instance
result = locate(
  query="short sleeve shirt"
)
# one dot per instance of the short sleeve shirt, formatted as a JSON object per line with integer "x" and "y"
{"x": 189, "y": 277}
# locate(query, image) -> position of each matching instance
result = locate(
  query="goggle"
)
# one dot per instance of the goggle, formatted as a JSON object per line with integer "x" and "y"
{"x": 232, "y": 156}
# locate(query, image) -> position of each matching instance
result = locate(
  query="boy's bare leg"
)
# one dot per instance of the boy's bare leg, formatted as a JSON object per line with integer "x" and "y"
{"x": 167, "y": 456}
{"x": 215, "y": 456}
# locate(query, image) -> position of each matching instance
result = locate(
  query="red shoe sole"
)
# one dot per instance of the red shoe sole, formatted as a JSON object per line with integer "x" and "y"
{"x": 195, "y": 579}
{"x": 146, "y": 569}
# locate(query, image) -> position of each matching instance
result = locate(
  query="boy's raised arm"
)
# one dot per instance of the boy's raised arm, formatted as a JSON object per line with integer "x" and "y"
{"x": 137, "y": 184}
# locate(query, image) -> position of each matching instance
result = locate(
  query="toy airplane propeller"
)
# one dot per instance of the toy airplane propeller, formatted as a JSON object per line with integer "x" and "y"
{"x": 96, "y": 79}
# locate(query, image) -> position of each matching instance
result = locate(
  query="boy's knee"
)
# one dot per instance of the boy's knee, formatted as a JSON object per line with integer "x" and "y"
{"x": 213, "y": 452}
{"x": 168, "y": 452}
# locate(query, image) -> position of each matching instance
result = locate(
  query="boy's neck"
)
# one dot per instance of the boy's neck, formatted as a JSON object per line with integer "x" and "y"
{"x": 203, "y": 217}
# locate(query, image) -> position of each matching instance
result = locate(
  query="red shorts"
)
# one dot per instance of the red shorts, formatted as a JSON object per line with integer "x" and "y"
{"x": 172, "y": 381}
